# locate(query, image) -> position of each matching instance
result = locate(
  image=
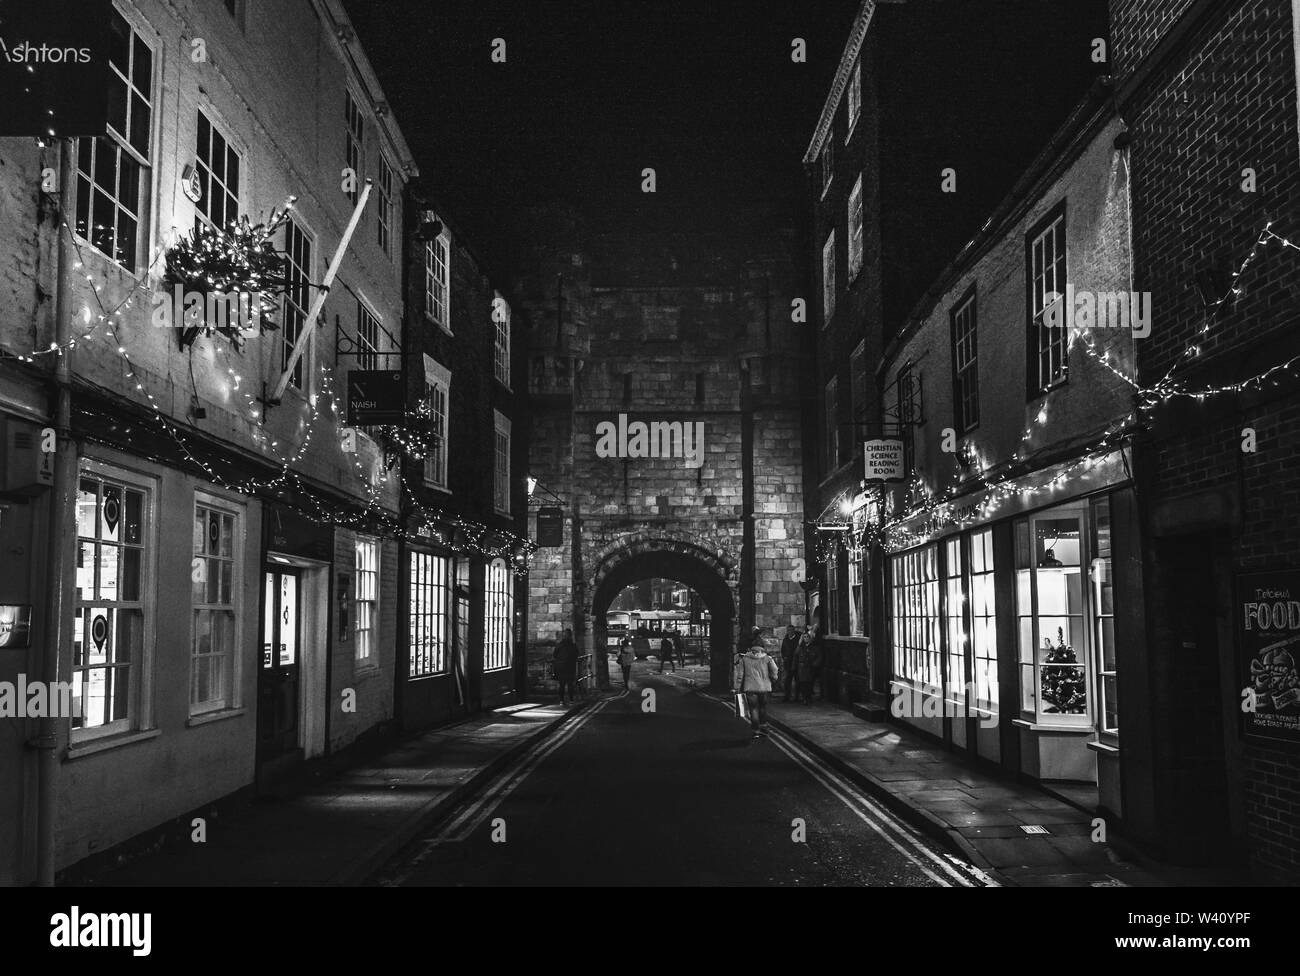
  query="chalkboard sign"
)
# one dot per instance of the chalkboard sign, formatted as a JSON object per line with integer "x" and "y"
{"x": 1268, "y": 647}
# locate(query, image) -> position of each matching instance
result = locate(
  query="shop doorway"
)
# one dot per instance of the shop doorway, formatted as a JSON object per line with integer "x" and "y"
{"x": 278, "y": 679}
{"x": 291, "y": 665}
{"x": 1198, "y": 806}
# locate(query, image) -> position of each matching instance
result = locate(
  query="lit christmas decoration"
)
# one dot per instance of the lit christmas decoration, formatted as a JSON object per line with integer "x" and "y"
{"x": 240, "y": 260}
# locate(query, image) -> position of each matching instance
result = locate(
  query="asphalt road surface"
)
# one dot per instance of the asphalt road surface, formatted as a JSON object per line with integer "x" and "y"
{"x": 681, "y": 795}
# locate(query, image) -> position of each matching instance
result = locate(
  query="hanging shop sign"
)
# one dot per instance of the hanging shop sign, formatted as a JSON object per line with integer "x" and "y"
{"x": 1268, "y": 647}
{"x": 550, "y": 527}
{"x": 375, "y": 396}
{"x": 54, "y": 74}
{"x": 884, "y": 459}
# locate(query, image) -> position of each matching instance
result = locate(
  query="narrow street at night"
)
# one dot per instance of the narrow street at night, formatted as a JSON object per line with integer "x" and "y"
{"x": 452, "y": 450}
{"x": 682, "y": 795}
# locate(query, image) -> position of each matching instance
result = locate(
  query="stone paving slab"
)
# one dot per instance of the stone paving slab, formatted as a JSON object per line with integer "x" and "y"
{"x": 338, "y": 830}
{"x": 977, "y": 814}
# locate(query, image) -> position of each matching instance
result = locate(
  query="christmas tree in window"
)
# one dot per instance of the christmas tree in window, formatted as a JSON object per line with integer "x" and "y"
{"x": 1064, "y": 688}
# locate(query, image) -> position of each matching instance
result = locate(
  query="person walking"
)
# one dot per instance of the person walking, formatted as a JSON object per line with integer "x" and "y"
{"x": 754, "y": 673}
{"x": 666, "y": 654}
{"x": 819, "y": 659}
{"x": 625, "y": 658}
{"x": 679, "y": 647}
{"x": 807, "y": 662}
{"x": 564, "y": 662}
{"x": 789, "y": 645}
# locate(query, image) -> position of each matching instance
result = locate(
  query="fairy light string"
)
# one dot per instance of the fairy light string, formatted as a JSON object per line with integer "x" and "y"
{"x": 934, "y": 511}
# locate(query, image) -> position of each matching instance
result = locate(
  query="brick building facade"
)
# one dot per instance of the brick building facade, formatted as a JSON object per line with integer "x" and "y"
{"x": 1208, "y": 90}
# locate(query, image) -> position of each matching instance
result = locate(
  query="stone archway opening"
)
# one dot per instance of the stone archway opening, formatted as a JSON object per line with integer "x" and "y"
{"x": 682, "y": 568}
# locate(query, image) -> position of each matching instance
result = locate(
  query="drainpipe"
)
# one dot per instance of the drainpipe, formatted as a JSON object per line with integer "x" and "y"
{"x": 62, "y": 499}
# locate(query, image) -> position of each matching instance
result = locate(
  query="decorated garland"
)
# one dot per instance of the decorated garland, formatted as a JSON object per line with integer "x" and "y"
{"x": 212, "y": 270}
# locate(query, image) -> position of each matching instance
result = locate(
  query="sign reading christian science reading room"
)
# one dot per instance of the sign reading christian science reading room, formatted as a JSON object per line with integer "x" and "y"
{"x": 884, "y": 459}
{"x": 1268, "y": 642}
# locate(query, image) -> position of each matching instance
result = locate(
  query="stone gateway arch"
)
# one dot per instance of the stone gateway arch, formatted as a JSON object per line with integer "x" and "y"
{"x": 625, "y": 358}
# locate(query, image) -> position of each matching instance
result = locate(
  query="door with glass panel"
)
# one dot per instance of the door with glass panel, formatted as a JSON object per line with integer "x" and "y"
{"x": 279, "y": 674}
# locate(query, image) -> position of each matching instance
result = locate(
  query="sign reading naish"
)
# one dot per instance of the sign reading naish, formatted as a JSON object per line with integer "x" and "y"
{"x": 652, "y": 439}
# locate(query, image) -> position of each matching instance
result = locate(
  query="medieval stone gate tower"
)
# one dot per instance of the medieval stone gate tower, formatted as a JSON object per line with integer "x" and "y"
{"x": 676, "y": 333}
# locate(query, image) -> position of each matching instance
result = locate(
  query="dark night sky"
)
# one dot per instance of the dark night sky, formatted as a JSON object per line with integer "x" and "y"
{"x": 592, "y": 92}
{"x": 706, "y": 93}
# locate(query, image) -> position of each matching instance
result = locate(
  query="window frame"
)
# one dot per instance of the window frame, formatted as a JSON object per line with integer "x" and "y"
{"x": 233, "y": 697}
{"x": 293, "y": 224}
{"x": 429, "y": 620}
{"x": 437, "y": 378}
{"x": 855, "y": 256}
{"x": 981, "y": 706}
{"x": 354, "y": 141}
{"x": 368, "y": 628}
{"x": 368, "y": 320}
{"x": 443, "y": 293}
{"x": 501, "y": 341}
{"x": 829, "y": 283}
{"x": 1077, "y": 511}
{"x": 965, "y": 374}
{"x": 1099, "y": 511}
{"x": 501, "y": 500}
{"x": 139, "y": 715}
{"x": 1040, "y": 339}
{"x": 909, "y": 413}
{"x": 146, "y": 176}
{"x": 915, "y": 592}
{"x": 498, "y": 616}
{"x": 853, "y": 105}
{"x": 833, "y": 591}
{"x": 386, "y": 212}
{"x": 831, "y": 417}
{"x": 202, "y": 216}
{"x": 828, "y": 162}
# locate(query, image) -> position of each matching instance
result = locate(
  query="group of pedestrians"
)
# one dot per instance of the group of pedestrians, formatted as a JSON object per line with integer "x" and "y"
{"x": 755, "y": 672}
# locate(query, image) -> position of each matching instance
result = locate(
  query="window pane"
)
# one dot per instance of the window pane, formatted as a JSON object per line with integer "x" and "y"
{"x": 142, "y": 69}
{"x": 130, "y": 574}
{"x": 139, "y": 135}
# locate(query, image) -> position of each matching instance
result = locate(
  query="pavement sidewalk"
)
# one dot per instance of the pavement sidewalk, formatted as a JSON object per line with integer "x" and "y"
{"x": 975, "y": 814}
{"x": 341, "y": 829}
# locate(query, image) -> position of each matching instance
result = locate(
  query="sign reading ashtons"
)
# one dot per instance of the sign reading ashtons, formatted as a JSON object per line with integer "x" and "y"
{"x": 54, "y": 74}
{"x": 884, "y": 459}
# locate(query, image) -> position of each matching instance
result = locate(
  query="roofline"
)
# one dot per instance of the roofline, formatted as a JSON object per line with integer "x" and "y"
{"x": 824, "y": 122}
{"x": 335, "y": 19}
{"x": 1089, "y": 117}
